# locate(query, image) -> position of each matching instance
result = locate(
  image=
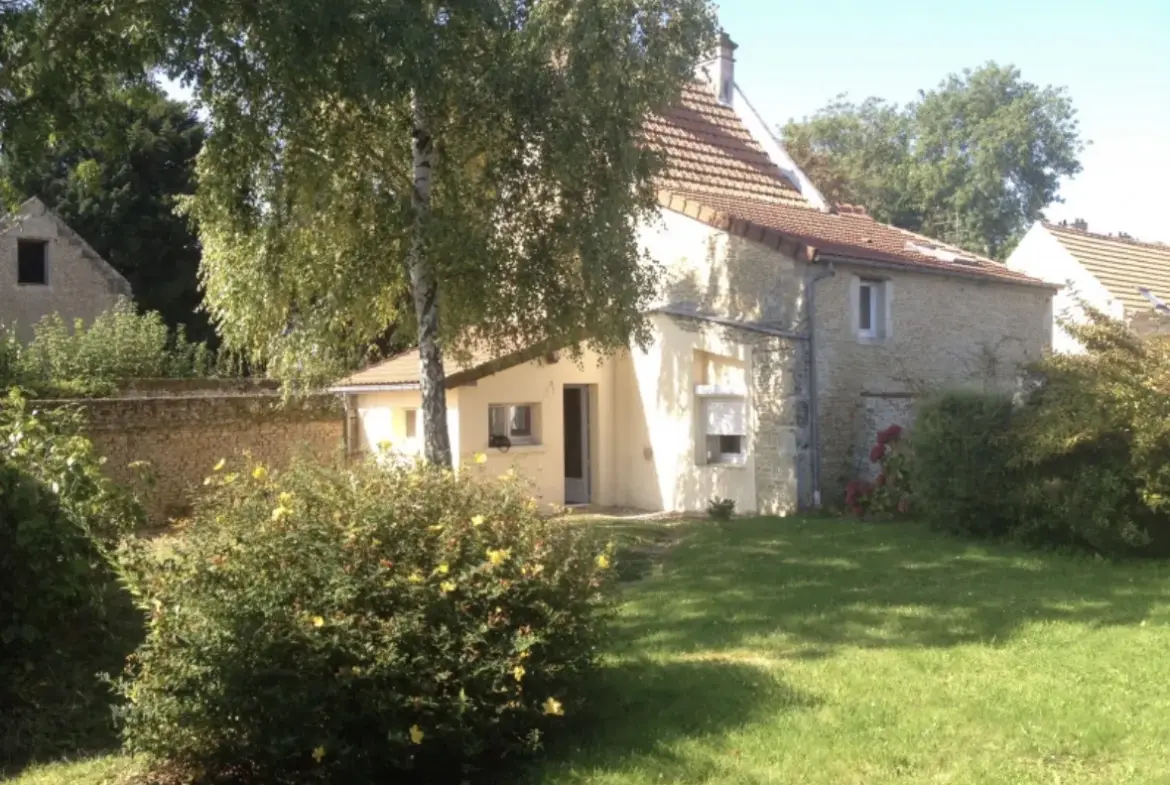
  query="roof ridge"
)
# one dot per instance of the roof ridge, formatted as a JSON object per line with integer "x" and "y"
{"x": 1106, "y": 237}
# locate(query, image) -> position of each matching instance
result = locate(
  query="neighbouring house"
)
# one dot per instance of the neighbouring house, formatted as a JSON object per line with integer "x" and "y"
{"x": 47, "y": 268}
{"x": 1118, "y": 275}
{"x": 788, "y": 332}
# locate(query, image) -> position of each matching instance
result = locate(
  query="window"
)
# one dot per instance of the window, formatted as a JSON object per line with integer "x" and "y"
{"x": 411, "y": 423}
{"x": 871, "y": 309}
{"x": 514, "y": 422}
{"x": 31, "y": 267}
{"x": 723, "y": 430}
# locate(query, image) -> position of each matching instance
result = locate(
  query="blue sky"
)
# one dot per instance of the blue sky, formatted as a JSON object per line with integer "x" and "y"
{"x": 1114, "y": 57}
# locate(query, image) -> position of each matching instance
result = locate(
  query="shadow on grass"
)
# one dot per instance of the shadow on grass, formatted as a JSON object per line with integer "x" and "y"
{"x": 818, "y": 584}
{"x": 641, "y": 708}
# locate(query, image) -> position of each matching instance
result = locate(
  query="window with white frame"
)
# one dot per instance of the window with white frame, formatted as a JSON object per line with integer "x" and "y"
{"x": 515, "y": 423}
{"x": 723, "y": 427}
{"x": 871, "y": 309}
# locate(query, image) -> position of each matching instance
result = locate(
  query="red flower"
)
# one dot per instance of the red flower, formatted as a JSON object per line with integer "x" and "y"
{"x": 879, "y": 481}
{"x": 877, "y": 452}
{"x": 890, "y": 434}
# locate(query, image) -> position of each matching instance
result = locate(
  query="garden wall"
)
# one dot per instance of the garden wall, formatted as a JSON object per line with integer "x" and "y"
{"x": 182, "y": 428}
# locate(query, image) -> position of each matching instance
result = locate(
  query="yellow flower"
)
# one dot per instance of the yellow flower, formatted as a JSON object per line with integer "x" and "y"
{"x": 219, "y": 466}
{"x": 443, "y": 568}
{"x": 447, "y": 586}
{"x": 228, "y": 479}
{"x": 318, "y": 621}
{"x": 285, "y": 497}
{"x": 553, "y": 707}
{"x": 279, "y": 513}
{"x": 498, "y": 556}
{"x": 518, "y": 672}
{"x": 416, "y": 734}
{"x": 603, "y": 562}
{"x": 477, "y": 520}
{"x": 259, "y": 473}
{"x": 525, "y": 654}
{"x": 480, "y": 457}
{"x": 415, "y": 577}
{"x": 438, "y": 527}
{"x": 319, "y": 754}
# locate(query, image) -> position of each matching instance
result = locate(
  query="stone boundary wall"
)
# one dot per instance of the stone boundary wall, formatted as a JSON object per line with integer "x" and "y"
{"x": 181, "y": 428}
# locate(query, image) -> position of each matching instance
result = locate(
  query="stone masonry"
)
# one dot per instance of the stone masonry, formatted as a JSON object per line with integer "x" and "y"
{"x": 179, "y": 434}
{"x": 80, "y": 284}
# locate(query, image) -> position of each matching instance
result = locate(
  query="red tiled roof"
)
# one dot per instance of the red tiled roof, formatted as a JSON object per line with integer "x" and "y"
{"x": 708, "y": 150}
{"x": 851, "y": 234}
{"x": 716, "y": 171}
{"x": 1123, "y": 265}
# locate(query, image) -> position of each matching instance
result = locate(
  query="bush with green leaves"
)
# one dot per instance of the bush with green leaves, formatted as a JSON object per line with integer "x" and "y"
{"x": 1093, "y": 444}
{"x": 119, "y": 344}
{"x": 962, "y": 452}
{"x": 63, "y": 614}
{"x": 327, "y": 625}
{"x": 720, "y": 509}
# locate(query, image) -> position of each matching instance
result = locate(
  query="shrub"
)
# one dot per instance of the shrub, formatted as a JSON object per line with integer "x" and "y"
{"x": 1093, "y": 443}
{"x": 962, "y": 450}
{"x": 719, "y": 509}
{"x": 91, "y": 360}
{"x": 889, "y": 493}
{"x": 325, "y": 625}
{"x": 63, "y": 616}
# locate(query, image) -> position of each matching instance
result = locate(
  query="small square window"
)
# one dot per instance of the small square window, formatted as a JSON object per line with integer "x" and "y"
{"x": 31, "y": 262}
{"x": 411, "y": 423}
{"x": 723, "y": 431}
{"x": 514, "y": 423}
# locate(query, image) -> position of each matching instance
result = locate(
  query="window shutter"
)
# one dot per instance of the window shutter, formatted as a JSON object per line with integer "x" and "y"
{"x": 725, "y": 418}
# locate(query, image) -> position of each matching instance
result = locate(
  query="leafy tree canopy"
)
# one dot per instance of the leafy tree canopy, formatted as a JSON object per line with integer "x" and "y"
{"x": 972, "y": 162}
{"x": 371, "y": 163}
{"x": 115, "y": 180}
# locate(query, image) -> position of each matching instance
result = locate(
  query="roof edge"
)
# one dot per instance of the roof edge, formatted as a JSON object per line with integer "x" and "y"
{"x": 774, "y": 149}
{"x": 973, "y": 275}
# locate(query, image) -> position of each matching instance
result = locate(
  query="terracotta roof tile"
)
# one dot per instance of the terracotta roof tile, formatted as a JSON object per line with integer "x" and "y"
{"x": 709, "y": 150}
{"x": 716, "y": 172}
{"x": 1122, "y": 265}
{"x": 852, "y": 235}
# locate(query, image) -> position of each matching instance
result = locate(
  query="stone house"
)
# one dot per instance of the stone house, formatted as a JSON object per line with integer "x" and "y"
{"x": 45, "y": 267}
{"x": 788, "y": 331}
{"x": 1118, "y": 275}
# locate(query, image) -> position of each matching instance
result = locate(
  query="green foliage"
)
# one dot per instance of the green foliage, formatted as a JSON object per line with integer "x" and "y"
{"x": 1094, "y": 443}
{"x": 62, "y": 614}
{"x": 719, "y": 509}
{"x": 115, "y": 181}
{"x": 962, "y": 452}
{"x": 92, "y": 359}
{"x": 889, "y": 493}
{"x": 973, "y": 162}
{"x": 324, "y": 625}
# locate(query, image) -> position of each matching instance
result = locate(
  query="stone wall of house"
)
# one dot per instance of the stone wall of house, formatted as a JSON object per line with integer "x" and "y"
{"x": 944, "y": 332}
{"x": 711, "y": 271}
{"x": 780, "y": 435}
{"x": 79, "y": 286}
{"x": 179, "y": 435}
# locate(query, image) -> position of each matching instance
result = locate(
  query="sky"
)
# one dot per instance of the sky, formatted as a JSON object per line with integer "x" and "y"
{"x": 1114, "y": 58}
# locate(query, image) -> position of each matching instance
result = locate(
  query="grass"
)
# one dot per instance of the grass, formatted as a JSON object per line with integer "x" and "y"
{"x": 822, "y": 651}
{"x": 825, "y": 651}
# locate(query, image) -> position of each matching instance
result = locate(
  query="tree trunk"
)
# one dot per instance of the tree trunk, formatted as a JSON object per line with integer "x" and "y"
{"x": 436, "y": 438}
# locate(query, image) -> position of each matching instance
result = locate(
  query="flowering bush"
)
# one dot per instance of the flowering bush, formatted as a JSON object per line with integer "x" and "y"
{"x": 889, "y": 493}
{"x": 324, "y": 625}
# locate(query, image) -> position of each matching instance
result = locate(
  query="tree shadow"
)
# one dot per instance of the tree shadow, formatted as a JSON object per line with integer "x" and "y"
{"x": 813, "y": 585}
{"x": 640, "y": 708}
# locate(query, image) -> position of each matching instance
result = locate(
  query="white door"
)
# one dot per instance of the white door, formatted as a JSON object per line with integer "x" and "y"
{"x": 576, "y": 416}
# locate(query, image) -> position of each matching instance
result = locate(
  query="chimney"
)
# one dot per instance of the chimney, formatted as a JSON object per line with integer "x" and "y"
{"x": 719, "y": 68}
{"x": 1081, "y": 224}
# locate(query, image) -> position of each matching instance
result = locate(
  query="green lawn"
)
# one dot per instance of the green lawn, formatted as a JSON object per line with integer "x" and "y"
{"x": 824, "y": 651}
{"x": 820, "y": 651}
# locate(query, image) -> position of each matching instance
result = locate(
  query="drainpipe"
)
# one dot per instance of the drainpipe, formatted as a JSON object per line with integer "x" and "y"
{"x": 814, "y": 425}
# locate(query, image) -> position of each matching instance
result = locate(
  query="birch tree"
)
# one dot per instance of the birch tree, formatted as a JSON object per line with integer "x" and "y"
{"x": 466, "y": 173}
